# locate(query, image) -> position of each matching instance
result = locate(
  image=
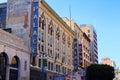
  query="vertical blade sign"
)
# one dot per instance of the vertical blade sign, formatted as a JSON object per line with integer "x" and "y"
{"x": 35, "y": 29}
{"x": 75, "y": 55}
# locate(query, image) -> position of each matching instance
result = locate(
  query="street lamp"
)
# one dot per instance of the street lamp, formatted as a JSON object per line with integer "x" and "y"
{"x": 43, "y": 62}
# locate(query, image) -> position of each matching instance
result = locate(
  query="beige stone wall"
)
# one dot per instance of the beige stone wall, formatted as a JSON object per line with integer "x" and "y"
{"x": 86, "y": 28}
{"x": 81, "y": 40}
{"x": 58, "y": 25}
{"x": 14, "y": 46}
{"x": 86, "y": 51}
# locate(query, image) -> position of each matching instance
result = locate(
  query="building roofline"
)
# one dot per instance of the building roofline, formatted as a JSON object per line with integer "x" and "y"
{"x": 57, "y": 16}
{"x": 4, "y": 4}
{"x": 78, "y": 27}
{"x": 84, "y": 34}
{"x": 91, "y": 26}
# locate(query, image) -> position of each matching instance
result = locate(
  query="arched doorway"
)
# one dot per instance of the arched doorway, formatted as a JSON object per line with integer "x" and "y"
{"x": 14, "y": 68}
{"x": 3, "y": 65}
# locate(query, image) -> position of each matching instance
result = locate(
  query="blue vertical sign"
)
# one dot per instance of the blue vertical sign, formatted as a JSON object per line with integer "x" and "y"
{"x": 75, "y": 55}
{"x": 35, "y": 28}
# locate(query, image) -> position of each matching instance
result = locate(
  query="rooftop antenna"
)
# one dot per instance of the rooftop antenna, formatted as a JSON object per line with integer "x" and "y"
{"x": 70, "y": 14}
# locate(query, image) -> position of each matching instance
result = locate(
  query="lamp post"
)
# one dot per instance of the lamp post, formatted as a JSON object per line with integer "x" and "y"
{"x": 43, "y": 55}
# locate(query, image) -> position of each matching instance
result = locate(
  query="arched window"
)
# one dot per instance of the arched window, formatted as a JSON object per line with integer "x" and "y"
{"x": 63, "y": 38}
{"x": 50, "y": 28}
{"x": 15, "y": 62}
{"x": 3, "y": 65}
{"x": 14, "y": 68}
{"x": 69, "y": 42}
{"x": 42, "y": 21}
{"x": 58, "y": 33}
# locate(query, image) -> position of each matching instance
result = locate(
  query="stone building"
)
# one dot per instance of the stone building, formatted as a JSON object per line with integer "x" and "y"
{"x": 55, "y": 40}
{"x": 48, "y": 38}
{"x": 14, "y": 58}
{"x": 92, "y": 35}
{"x": 83, "y": 47}
{"x": 108, "y": 61}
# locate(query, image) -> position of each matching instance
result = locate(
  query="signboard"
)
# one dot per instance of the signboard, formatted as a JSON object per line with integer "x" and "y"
{"x": 19, "y": 19}
{"x": 80, "y": 54}
{"x": 35, "y": 28}
{"x": 76, "y": 55}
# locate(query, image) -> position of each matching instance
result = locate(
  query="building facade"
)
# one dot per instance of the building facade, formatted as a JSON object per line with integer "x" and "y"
{"x": 83, "y": 47}
{"x": 52, "y": 38}
{"x": 49, "y": 39}
{"x": 86, "y": 51}
{"x": 108, "y": 61}
{"x": 14, "y": 58}
{"x": 83, "y": 41}
{"x": 92, "y": 35}
{"x": 3, "y": 12}
{"x": 55, "y": 40}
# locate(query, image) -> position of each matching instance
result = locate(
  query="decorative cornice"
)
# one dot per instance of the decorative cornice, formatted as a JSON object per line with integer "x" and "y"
{"x": 12, "y": 40}
{"x": 57, "y": 16}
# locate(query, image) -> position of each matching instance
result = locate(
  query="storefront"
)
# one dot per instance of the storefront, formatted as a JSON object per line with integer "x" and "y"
{"x": 36, "y": 74}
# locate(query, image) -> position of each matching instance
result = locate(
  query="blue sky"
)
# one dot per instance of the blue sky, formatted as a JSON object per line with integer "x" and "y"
{"x": 104, "y": 15}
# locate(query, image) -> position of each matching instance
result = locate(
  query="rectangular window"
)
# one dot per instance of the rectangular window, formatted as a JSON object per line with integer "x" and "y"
{"x": 51, "y": 53}
{"x": 39, "y": 47}
{"x": 88, "y": 31}
{"x": 62, "y": 69}
{"x": 48, "y": 52}
{"x": 42, "y": 48}
{"x": 39, "y": 63}
{"x": 42, "y": 37}
{"x": 88, "y": 35}
{"x": 43, "y": 24}
{"x": 65, "y": 70}
{"x": 56, "y": 68}
{"x": 48, "y": 65}
{"x": 25, "y": 65}
{"x": 51, "y": 42}
{"x": 51, "y": 31}
{"x": 39, "y": 21}
{"x": 52, "y": 66}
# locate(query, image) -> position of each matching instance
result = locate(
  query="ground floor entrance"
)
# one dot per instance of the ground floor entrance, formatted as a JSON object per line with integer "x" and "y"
{"x": 12, "y": 69}
{"x": 3, "y": 66}
{"x": 14, "y": 58}
{"x": 36, "y": 74}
